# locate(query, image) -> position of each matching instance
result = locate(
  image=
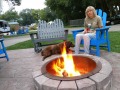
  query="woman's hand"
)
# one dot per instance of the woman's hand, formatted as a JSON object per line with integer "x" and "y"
{"x": 85, "y": 31}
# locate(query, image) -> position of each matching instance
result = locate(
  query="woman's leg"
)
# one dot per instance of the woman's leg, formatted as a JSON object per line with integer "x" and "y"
{"x": 78, "y": 39}
{"x": 87, "y": 37}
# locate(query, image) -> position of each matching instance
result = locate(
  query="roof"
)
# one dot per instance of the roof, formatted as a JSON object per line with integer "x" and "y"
{"x": 3, "y": 21}
{"x": 13, "y": 23}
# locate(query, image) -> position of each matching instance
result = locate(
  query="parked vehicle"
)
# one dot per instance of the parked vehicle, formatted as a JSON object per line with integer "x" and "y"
{"x": 113, "y": 20}
{"x": 4, "y": 26}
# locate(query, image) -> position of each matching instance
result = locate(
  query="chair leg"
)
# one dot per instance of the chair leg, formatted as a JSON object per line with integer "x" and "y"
{"x": 6, "y": 55}
{"x": 108, "y": 46}
{"x": 97, "y": 50}
{"x": 4, "y": 50}
{"x": 37, "y": 47}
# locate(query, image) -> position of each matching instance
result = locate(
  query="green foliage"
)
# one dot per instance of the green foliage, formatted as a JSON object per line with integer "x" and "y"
{"x": 34, "y": 27}
{"x": 30, "y": 16}
{"x": 63, "y": 9}
{"x": 36, "y": 14}
{"x": 75, "y": 9}
{"x": 69, "y": 9}
{"x": 10, "y": 16}
{"x": 47, "y": 14}
{"x": 27, "y": 17}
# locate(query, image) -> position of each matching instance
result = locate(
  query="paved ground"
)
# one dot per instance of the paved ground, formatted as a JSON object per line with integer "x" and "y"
{"x": 17, "y": 73}
{"x": 12, "y": 41}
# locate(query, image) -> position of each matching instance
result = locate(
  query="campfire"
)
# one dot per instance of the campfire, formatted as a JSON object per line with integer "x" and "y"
{"x": 65, "y": 71}
{"x": 65, "y": 67}
{"x": 69, "y": 66}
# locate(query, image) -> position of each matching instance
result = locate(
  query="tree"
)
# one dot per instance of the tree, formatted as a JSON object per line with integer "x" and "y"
{"x": 69, "y": 9}
{"x": 35, "y": 14}
{"x": 15, "y": 2}
{"x": 75, "y": 9}
{"x": 27, "y": 17}
{"x": 109, "y": 6}
{"x": 47, "y": 14}
{"x": 10, "y": 16}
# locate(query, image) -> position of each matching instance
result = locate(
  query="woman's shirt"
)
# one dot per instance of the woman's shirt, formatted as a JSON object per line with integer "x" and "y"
{"x": 95, "y": 23}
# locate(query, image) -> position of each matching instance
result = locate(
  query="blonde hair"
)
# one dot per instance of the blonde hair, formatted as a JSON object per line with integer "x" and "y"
{"x": 90, "y": 8}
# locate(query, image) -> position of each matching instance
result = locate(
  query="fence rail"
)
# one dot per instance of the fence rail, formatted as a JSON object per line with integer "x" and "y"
{"x": 77, "y": 22}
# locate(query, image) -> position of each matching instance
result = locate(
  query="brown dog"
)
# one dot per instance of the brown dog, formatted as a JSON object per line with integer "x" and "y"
{"x": 56, "y": 49}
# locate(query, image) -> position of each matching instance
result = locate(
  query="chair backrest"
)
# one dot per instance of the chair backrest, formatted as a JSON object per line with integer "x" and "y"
{"x": 50, "y": 30}
{"x": 103, "y": 15}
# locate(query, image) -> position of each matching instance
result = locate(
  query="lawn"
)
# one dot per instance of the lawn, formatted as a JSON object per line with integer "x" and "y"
{"x": 114, "y": 42}
{"x": 14, "y": 36}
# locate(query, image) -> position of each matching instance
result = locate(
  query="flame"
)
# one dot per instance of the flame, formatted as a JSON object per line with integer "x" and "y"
{"x": 66, "y": 66}
{"x": 58, "y": 67}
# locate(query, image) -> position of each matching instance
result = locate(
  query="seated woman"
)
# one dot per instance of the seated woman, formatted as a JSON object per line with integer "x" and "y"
{"x": 91, "y": 22}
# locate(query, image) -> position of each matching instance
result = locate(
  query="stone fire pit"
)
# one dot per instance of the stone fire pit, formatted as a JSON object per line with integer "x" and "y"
{"x": 99, "y": 79}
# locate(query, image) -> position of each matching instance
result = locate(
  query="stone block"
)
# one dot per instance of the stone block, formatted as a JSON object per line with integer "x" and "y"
{"x": 86, "y": 84}
{"x": 39, "y": 81}
{"x": 107, "y": 86}
{"x": 101, "y": 80}
{"x": 36, "y": 73}
{"x": 51, "y": 84}
{"x": 67, "y": 85}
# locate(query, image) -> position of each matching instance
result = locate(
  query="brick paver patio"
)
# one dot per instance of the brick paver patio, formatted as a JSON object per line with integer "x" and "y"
{"x": 17, "y": 73}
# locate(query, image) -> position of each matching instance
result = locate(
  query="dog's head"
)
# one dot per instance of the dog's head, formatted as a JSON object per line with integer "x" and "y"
{"x": 69, "y": 44}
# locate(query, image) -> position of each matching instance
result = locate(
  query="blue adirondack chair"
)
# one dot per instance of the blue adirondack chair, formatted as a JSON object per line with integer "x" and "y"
{"x": 102, "y": 35}
{"x": 3, "y": 53}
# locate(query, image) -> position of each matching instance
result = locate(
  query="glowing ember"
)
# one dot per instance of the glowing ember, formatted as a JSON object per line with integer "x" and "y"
{"x": 65, "y": 68}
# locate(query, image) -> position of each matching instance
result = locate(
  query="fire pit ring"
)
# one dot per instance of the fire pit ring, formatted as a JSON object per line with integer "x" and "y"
{"x": 89, "y": 64}
{"x": 99, "y": 79}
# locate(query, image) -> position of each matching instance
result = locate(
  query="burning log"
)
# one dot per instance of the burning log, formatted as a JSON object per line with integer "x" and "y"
{"x": 65, "y": 74}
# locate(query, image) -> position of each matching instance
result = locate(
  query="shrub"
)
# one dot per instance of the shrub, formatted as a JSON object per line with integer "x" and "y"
{"x": 33, "y": 27}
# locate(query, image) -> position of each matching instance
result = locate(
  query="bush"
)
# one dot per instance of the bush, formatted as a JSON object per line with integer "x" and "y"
{"x": 14, "y": 27}
{"x": 34, "y": 27}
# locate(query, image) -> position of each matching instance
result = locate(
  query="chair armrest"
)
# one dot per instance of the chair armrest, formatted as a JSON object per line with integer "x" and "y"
{"x": 103, "y": 28}
{"x": 102, "y": 31}
{"x": 75, "y": 32}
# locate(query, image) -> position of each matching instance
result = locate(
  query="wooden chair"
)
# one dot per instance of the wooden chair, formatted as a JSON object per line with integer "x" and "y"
{"x": 48, "y": 32}
{"x": 102, "y": 35}
{"x": 3, "y": 53}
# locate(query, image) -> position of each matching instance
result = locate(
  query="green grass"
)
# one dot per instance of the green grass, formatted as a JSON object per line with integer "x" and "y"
{"x": 22, "y": 45}
{"x": 114, "y": 42}
{"x": 29, "y": 44}
{"x": 11, "y": 36}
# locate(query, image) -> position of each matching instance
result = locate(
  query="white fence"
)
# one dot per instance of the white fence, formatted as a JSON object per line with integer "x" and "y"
{"x": 51, "y": 30}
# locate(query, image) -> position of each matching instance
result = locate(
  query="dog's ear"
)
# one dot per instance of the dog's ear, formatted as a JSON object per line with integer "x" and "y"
{"x": 64, "y": 40}
{"x": 71, "y": 44}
